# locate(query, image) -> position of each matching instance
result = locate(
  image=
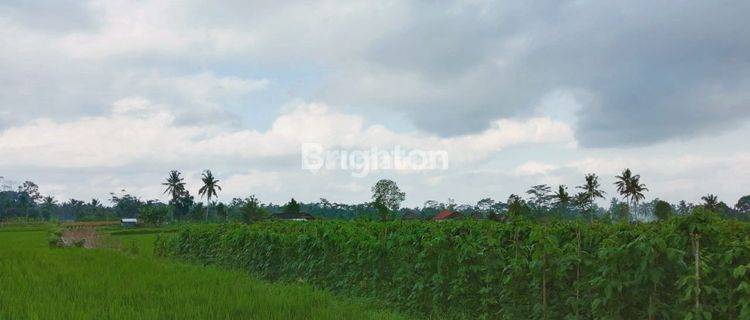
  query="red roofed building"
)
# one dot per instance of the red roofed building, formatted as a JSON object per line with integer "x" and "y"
{"x": 446, "y": 215}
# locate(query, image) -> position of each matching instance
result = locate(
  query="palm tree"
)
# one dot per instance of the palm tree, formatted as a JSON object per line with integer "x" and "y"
{"x": 623, "y": 183}
{"x": 175, "y": 185}
{"x": 711, "y": 202}
{"x": 591, "y": 191}
{"x": 209, "y": 187}
{"x": 562, "y": 196}
{"x": 637, "y": 189}
{"x": 631, "y": 188}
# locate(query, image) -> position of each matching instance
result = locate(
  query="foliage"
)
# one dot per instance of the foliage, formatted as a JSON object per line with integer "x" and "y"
{"x": 154, "y": 214}
{"x": 743, "y": 205}
{"x": 629, "y": 186}
{"x": 481, "y": 269}
{"x": 125, "y": 205}
{"x": 710, "y": 202}
{"x": 619, "y": 211}
{"x": 590, "y": 191}
{"x": 541, "y": 196}
{"x": 292, "y": 207}
{"x": 175, "y": 185}
{"x": 43, "y": 283}
{"x": 209, "y": 188}
{"x": 210, "y": 185}
{"x": 252, "y": 211}
{"x": 663, "y": 210}
{"x": 387, "y": 193}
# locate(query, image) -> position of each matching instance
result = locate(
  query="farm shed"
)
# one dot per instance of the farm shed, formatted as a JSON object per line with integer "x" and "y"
{"x": 128, "y": 222}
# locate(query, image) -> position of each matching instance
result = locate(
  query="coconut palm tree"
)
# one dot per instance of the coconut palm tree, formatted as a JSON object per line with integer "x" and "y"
{"x": 623, "y": 183}
{"x": 591, "y": 192}
{"x": 210, "y": 185}
{"x": 631, "y": 188}
{"x": 562, "y": 197}
{"x": 175, "y": 185}
{"x": 710, "y": 201}
{"x": 636, "y": 190}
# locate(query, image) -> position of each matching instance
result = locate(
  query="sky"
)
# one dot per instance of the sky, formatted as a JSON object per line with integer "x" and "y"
{"x": 101, "y": 96}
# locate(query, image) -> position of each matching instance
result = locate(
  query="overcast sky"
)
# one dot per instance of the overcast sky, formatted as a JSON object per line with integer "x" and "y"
{"x": 100, "y": 96}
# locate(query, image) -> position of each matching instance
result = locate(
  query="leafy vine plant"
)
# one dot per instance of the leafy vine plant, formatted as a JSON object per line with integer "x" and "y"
{"x": 693, "y": 267}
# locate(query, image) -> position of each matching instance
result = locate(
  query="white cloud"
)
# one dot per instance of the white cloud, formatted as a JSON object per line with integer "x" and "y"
{"x": 534, "y": 168}
{"x": 138, "y": 131}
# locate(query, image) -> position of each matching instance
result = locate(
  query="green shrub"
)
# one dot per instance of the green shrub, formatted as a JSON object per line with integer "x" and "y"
{"x": 79, "y": 243}
{"x": 54, "y": 237}
{"x": 561, "y": 269}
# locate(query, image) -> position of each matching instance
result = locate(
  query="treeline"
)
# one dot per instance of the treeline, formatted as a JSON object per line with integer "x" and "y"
{"x": 539, "y": 202}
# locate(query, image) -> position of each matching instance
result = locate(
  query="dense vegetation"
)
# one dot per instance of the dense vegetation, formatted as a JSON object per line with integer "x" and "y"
{"x": 695, "y": 266}
{"x": 39, "y": 282}
{"x": 25, "y": 202}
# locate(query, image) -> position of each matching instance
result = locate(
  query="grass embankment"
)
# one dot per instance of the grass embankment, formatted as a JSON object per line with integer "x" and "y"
{"x": 38, "y": 282}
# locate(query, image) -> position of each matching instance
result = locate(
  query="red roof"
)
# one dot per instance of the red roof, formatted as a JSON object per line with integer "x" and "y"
{"x": 445, "y": 214}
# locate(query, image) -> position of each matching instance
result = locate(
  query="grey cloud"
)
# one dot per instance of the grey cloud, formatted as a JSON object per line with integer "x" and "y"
{"x": 650, "y": 71}
{"x": 644, "y": 71}
{"x": 55, "y": 16}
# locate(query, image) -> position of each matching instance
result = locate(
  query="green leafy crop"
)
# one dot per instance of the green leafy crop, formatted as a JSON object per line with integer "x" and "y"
{"x": 688, "y": 267}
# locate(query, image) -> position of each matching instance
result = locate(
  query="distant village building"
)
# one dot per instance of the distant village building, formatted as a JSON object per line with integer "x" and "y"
{"x": 128, "y": 222}
{"x": 302, "y": 216}
{"x": 447, "y": 215}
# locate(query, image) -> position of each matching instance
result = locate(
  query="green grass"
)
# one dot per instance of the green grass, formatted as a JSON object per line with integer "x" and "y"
{"x": 38, "y": 282}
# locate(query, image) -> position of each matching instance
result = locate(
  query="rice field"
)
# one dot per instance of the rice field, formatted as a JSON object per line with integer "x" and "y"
{"x": 39, "y": 282}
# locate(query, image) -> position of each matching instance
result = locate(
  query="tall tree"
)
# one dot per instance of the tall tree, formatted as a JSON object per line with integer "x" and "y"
{"x": 386, "y": 196}
{"x": 292, "y": 207}
{"x": 485, "y": 207}
{"x": 562, "y": 200}
{"x": 743, "y": 204}
{"x": 176, "y": 188}
{"x": 663, "y": 210}
{"x": 562, "y": 197}
{"x": 175, "y": 185}
{"x": 710, "y": 202}
{"x": 629, "y": 186}
{"x": 251, "y": 210}
{"x": 209, "y": 188}
{"x": 590, "y": 192}
{"x": 517, "y": 207}
{"x": 540, "y": 196}
{"x": 48, "y": 205}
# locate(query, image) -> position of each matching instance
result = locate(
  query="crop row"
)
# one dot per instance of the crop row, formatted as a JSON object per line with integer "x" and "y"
{"x": 688, "y": 267}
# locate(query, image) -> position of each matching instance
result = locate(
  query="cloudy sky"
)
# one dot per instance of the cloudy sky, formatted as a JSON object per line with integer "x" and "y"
{"x": 99, "y": 96}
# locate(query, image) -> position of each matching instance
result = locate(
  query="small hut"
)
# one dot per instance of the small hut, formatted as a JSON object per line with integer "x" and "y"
{"x": 128, "y": 222}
